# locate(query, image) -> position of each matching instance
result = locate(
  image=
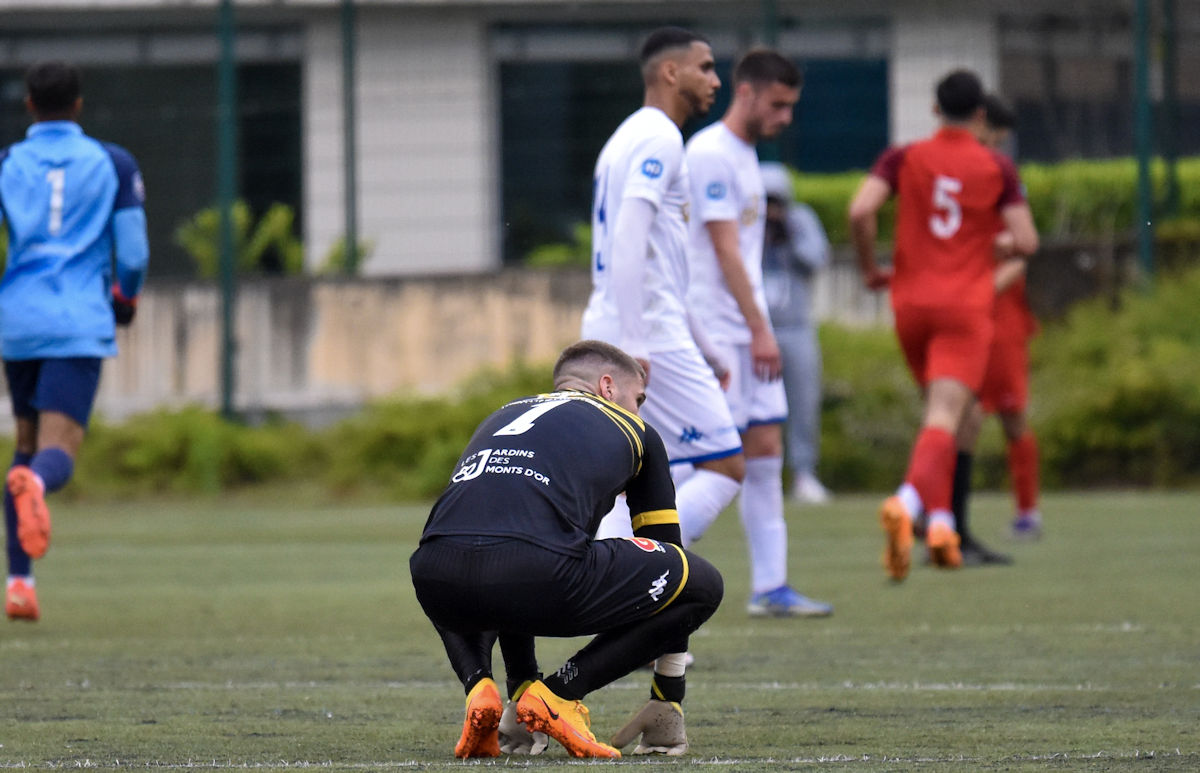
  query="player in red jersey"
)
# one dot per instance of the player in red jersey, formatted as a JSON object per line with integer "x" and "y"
{"x": 1005, "y": 390}
{"x": 954, "y": 195}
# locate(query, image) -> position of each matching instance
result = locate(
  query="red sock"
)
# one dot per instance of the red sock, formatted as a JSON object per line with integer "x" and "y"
{"x": 1023, "y": 467}
{"x": 931, "y": 468}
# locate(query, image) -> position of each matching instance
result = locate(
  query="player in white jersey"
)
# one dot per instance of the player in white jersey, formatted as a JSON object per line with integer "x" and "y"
{"x": 726, "y": 291}
{"x": 640, "y": 276}
{"x": 640, "y": 268}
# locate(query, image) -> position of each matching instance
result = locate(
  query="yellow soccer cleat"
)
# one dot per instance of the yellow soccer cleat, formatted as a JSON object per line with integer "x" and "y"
{"x": 565, "y": 721}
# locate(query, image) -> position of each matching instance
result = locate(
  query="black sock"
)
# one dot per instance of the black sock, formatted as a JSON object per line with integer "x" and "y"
{"x": 961, "y": 492}
{"x": 668, "y": 688}
{"x": 565, "y": 683}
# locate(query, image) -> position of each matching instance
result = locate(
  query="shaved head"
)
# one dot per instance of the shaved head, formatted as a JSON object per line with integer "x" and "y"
{"x": 663, "y": 42}
{"x": 588, "y": 360}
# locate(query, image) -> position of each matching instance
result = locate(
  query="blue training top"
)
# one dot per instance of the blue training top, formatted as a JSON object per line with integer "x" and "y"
{"x": 71, "y": 203}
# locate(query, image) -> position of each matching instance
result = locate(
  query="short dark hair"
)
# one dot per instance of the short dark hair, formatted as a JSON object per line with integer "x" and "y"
{"x": 585, "y": 359}
{"x": 998, "y": 114}
{"x": 665, "y": 38}
{"x": 764, "y": 66}
{"x": 53, "y": 86}
{"x": 959, "y": 95}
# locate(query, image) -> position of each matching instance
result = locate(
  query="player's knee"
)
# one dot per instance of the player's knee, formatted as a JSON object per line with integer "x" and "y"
{"x": 704, "y": 589}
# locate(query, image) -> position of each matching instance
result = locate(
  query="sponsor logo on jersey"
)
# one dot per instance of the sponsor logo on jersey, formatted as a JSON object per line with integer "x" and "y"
{"x": 716, "y": 191}
{"x": 690, "y": 435}
{"x": 659, "y": 586}
{"x": 652, "y": 168}
{"x": 648, "y": 545}
{"x": 472, "y": 466}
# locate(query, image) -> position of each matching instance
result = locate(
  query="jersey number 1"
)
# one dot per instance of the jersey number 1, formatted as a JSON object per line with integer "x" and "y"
{"x": 58, "y": 181}
{"x": 524, "y": 422}
{"x": 947, "y": 217}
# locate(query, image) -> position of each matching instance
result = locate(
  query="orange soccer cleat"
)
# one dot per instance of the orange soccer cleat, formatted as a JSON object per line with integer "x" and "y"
{"x": 20, "y": 601}
{"x": 33, "y": 517}
{"x": 943, "y": 544}
{"x": 897, "y": 526}
{"x": 481, "y": 726}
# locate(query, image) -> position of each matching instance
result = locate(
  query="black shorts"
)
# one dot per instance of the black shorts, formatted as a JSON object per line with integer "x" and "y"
{"x": 469, "y": 584}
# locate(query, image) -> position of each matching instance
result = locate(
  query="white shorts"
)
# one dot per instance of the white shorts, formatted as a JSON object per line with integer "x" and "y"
{"x": 751, "y": 400}
{"x": 685, "y": 404}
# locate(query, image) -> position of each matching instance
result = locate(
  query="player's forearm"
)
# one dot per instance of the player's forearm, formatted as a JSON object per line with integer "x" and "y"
{"x": 863, "y": 232}
{"x": 1009, "y": 272}
{"x": 724, "y": 235}
{"x": 631, "y": 237}
{"x": 131, "y": 247}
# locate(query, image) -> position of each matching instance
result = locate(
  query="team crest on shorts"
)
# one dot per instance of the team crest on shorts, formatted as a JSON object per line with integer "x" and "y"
{"x": 648, "y": 545}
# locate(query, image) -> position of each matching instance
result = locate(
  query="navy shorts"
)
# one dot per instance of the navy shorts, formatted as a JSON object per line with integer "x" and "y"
{"x": 62, "y": 384}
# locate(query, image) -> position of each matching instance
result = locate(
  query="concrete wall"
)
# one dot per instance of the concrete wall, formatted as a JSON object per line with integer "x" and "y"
{"x": 309, "y": 347}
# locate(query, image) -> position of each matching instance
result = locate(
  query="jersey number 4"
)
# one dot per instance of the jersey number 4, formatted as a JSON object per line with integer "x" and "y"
{"x": 947, "y": 216}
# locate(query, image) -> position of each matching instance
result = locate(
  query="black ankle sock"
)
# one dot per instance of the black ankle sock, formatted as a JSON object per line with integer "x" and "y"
{"x": 474, "y": 679}
{"x": 515, "y": 684}
{"x": 962, "y": 491}
{"x": 566, "y": 684}
{"x": 668, "y": 688}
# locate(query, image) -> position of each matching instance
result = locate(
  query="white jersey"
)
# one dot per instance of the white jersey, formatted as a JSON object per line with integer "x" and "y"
{"x": 726, "y": 184}
{"x": 642, "y": 159}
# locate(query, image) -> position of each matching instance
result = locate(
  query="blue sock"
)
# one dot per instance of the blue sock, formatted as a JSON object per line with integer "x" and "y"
{"x": 19, "y": 563}
{"x": 54, "y": 466}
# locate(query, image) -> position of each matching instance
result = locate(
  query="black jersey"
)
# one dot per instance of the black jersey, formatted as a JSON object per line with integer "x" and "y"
{"x": 545, "y": 469}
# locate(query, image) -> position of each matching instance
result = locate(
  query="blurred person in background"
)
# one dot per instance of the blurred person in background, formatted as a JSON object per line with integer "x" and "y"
{"x": 794, "y": 250}
{"x": 72, "y": 204}
{"x": 953, "y": 196}
{"x": 725, "y": 293}
{"x": 1005, "y": 390}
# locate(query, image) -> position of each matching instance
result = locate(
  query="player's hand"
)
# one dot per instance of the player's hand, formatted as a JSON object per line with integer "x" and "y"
{"x": 878, "y": 278}
{"x": 660, "y": 725}
{"x": 123, "y": 308}
{"x": 515, "y": 738}
{"x": 765, "y": 355}
{"x": 1004, "y": 245}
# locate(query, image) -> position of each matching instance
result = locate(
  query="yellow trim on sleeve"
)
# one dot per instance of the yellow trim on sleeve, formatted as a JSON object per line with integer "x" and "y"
{"x": 682, "y": 582}
{"x": 655, "y": 518}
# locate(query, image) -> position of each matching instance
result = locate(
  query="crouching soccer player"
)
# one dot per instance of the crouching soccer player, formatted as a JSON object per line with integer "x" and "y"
{"x": 71, "y": 204}
{"x": 509, "y": 547}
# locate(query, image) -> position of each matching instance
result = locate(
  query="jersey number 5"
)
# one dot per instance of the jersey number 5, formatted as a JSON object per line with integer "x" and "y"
{"x": 947, "y": 216}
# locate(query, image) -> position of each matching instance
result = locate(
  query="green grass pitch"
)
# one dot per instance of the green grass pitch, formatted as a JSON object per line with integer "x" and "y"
{"x": 236, "y": 634}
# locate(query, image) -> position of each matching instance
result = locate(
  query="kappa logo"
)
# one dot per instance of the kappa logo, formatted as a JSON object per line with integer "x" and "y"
{"x": 652, "y": 168}
{"x": 659, "y": 586}
{"x": 690, "y": 435}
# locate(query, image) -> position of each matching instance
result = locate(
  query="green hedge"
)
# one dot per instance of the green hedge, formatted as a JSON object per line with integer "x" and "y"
{"x": 1072, "y": 200}
{"x": 1116, "y": 401}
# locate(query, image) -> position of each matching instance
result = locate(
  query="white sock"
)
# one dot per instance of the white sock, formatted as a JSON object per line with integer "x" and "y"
{"x": 616, "y": 523}
{"x": 911, "y": 500}
{"x": 762, "y": 518}
{"x": 944, "y": 517}
{"x": 701, "y": 499}
{"x": 28, "y": 578}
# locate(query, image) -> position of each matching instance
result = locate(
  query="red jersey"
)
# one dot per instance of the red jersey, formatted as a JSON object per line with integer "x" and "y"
{"x": 950, "y": 191}
{"x": 1014, "y": 319}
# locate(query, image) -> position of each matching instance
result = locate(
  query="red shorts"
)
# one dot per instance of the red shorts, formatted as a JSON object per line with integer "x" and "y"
{"x": 1006, "y": 382}
{"x": 941, "y": 342}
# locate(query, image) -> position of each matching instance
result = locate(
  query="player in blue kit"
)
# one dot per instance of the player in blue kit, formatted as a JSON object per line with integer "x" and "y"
{"x": 71, "y": 204}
